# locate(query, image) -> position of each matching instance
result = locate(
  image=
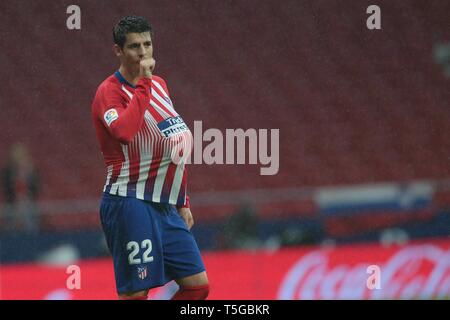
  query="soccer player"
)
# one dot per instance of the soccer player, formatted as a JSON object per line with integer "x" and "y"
{"x": 144, "y": 210}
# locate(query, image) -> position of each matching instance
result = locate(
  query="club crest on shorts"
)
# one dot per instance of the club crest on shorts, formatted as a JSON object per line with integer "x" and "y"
{"x": 142, "y": 272}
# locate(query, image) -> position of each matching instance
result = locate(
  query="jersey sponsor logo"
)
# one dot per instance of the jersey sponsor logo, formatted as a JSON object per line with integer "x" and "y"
{"x": 172, "y": 126}
{"x": 142, "y": 272}
{"x": 110, "y": 115}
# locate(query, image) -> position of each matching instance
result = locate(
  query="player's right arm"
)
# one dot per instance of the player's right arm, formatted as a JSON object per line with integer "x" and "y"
{"x": 123, "y": 120}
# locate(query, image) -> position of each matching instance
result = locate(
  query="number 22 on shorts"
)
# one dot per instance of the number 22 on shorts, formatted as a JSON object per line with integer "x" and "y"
{"x": 134, "y": 247}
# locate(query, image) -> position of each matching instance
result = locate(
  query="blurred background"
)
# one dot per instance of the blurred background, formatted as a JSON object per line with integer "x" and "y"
{"x": 364, "y": 123}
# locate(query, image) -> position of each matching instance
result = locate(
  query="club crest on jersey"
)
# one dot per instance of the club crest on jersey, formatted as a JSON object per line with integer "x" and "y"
{"x": 110, "y": 115}
{"x": 172, "y": 126}
{"x": 168, "y": 100}
{"x": 142, "y": 272}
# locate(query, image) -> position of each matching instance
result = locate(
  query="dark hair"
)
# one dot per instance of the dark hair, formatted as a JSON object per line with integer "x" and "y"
{"x": 130, "y": 24}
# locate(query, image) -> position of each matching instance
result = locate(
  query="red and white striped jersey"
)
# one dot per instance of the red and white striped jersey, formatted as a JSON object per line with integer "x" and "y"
{"x": 142, "y": 138}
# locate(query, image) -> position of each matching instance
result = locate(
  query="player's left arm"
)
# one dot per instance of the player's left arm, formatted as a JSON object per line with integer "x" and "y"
{"x": 184, "y": 210}
{"x": 186, "y": 214}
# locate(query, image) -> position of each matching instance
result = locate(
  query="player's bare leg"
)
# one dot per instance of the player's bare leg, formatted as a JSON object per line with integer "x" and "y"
{"x": 138, "y": 295}
{"x": 195, "y": 287}
{"x": 198, "y": 279}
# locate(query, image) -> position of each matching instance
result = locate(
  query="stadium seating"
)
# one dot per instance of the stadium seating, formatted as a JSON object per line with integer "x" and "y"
{"x": 352, "y": 105}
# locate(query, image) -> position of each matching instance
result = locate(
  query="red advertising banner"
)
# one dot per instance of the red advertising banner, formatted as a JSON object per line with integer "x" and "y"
{"x": 419, "y": 270}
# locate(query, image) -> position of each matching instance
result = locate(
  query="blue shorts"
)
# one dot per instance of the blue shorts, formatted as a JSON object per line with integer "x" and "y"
{"x": 149, "y": 242}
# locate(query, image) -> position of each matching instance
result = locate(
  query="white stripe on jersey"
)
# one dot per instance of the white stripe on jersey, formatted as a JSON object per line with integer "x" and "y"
{"x": 109, "y": 171}
{"x": 145, "y": 158}
{"x": 124, "y": 175}
{"x": 114, "y": 188}
{"x": 152, "y": 126}
{"x": 165, "y": 94}
{"x": 176, "y": 185}
{"x": 186, "y": 146}
{"x": 164, "y": 102}
{"x": 161, "y": 176}
{"x": 160, "y": 110}
{"x": 127, "y": 92}
{"x": 160, "y": 88}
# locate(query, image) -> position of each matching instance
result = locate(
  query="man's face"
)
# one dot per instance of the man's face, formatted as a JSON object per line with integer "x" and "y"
{"x": 137, "y": 47}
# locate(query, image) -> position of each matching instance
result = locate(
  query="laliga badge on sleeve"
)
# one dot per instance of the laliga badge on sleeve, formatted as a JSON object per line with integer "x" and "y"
{"x": 110, "y": 115}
